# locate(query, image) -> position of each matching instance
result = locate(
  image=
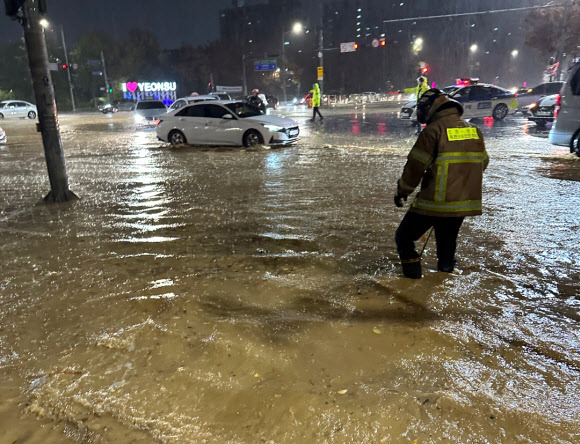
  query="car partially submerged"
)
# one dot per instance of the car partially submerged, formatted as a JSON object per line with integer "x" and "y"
{"x": 225, "y": 122}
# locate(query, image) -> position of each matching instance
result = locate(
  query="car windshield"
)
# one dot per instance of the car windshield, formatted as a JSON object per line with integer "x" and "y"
{"x": 242, "y": 110}
{"x": 3, "y": 104}
{"x": 150, "y": 105}
{"x": 449, "y": 89}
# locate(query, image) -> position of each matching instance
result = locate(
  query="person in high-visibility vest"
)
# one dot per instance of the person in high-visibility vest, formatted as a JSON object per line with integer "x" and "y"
{"x": 315, "y": 91}
{"x": 448, "y": 161}
{"x": 420, "y": 89}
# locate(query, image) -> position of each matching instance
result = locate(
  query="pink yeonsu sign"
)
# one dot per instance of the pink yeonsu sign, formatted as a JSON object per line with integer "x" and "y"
{"x": 166, "y": 91}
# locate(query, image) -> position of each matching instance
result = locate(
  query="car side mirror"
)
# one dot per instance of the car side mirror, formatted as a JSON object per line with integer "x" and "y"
{"x": 227, "y": 116}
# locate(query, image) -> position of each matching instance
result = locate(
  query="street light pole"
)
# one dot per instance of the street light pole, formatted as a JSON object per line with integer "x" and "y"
{"x": 321, "y": 58}
{"x": 45, "y": 101}
{"x": 70, "y": 85}
{"x": 283, "y": 67}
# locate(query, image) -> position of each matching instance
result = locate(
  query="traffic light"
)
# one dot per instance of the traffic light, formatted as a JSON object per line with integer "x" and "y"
{"x": 424, "y": 70}
{"x": 110, "y": 89}
{"x": 64, "y": 66}
{"x": 355, "y": 46}
{"x": 382, "y": 42}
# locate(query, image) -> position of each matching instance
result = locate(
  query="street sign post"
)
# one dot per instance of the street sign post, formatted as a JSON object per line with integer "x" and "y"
{"x": 348, "y": 47}
{"x": 320, "y": 72}
{"x": 265, "y": 65}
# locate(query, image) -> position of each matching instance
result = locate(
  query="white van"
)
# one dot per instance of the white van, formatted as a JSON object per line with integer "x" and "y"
{"x": 566, "y": 128}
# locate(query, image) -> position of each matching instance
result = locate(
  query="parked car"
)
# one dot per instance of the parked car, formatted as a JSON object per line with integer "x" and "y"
{"x": 221, "y": 95}
{"x": 119, "y": 105}
{"x": 566, "y": 128}
{"x": 2, "y": 136}
{"x": 483, "y": 100}
{"x": 534, "y": 94}
{"x": 17, "y": 108}
{"x": 542, "y": 112}
{"x": 147, "y": 111}
{"x": 225, "y": 123}
{"x": 180, "y": 103}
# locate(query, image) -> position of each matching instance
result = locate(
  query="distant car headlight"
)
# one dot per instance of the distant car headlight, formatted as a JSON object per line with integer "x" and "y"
{"x": 532, "y": 106}
{"x": 273, "y": 128}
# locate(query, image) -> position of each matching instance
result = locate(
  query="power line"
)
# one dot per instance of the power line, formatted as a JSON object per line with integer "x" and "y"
{"x": 462, "y": 14}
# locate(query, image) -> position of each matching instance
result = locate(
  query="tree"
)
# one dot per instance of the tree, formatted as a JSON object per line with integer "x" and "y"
{"x": 554, "y": 30}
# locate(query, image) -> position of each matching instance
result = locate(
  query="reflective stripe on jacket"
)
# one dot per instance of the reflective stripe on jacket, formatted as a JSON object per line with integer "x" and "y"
{"x": 448, "y": 161}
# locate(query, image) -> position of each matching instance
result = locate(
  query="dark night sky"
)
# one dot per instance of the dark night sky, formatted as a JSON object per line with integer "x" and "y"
{"x": 173, "y": 21}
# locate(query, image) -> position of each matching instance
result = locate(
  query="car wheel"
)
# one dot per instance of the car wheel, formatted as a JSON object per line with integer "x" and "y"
{"x": 251, "y": 138}
{"x": 541, "y": 123}
{"x": 31, "y": 115}
{"x": 500, "y": 111}
{"x": 575, "y": 144}
{"x": 176, "y": 138}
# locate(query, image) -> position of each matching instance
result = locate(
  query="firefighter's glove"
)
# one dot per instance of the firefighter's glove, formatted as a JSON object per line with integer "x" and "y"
{"x": 399, "y": 198}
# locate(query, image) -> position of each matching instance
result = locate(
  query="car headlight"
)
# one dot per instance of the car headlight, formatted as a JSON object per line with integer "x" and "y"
{"x": 532, "y": 106}
{"x": 273, "y": 128}
{"x": 139, "y": 118}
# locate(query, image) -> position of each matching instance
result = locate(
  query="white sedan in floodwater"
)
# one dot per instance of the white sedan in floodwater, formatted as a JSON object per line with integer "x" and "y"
{"x": 225, "y": 122}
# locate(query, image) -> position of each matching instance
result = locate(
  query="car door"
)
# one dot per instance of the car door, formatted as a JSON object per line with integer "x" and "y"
{"x": 481, "y": 101}
{"x": 9, "y": 110}
{"x": 462, "y": 96}
{"x": 221, "y": 130}
{"x": 20, "y": 109}
{"x": 191, "y": 121}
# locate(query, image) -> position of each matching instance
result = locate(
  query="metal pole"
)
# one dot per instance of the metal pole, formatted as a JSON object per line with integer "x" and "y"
{"x": 244, "y": 78}
{"x": 70, "y": 85}
{"x": 283, "y": 68}
{"x": 321, "y": 58}
{"x": 106, "y": 78}
{"x": 46, "y": 105}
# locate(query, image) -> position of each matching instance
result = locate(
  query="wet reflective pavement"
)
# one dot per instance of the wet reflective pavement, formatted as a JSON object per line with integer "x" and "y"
{"x": 238, "y": 296}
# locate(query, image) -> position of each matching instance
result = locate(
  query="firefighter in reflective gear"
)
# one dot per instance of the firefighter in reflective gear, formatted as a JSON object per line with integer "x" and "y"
{"x": 448, "y": 161}
{"x": 315, "y": 101}
{"x": 420, "y": 89}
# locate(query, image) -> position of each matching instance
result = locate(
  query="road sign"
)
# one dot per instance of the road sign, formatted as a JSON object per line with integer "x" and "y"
{"x": 348, "y": 47}
{"x": 320, "y": 73}
{"x": 97, "y": 73}
{"x": 375, "y": 43}
{"x": 53, "y": 66}
{"x": 228, "y": 89}
{"x": 265, "y": 65}
{"x": 94, "y": 62}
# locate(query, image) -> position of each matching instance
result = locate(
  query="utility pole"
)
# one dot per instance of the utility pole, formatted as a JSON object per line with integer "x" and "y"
{"x": 283, "y": 68}
{"x": 244, "y": 77}
{"x": 106, "y": 78}
{"x": 28, "y": 13}
{"x": 321, "y": 58}
{"x": 70, "y": 85}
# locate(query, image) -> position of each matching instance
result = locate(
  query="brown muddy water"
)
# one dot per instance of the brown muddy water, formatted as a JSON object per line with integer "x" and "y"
{"x": 223, "y": 295}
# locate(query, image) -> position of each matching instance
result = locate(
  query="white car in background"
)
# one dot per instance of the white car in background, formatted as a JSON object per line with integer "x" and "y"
{"x": 147, "y": 111}
{"x": 2, "y": 136}
{"x": 183, "y": 101}
{"x": 566, "y": 128}
{"x": 225, "y": 122}
{"x": 17, "y": 108}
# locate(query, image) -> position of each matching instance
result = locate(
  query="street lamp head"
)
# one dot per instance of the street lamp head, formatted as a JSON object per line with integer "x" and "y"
{"x": 44, "y": 23}
{"x": 473, "y": 48}
{"x": 515, "y": 53}
{"x": 297, "y": 28}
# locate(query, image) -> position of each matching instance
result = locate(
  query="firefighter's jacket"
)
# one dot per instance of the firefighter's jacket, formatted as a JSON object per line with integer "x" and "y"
{"x": 448, "y": 160}
{"x": 315, "y": 95}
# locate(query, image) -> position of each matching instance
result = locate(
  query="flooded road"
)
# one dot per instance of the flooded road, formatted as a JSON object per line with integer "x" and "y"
{"x": 225, "y": 295}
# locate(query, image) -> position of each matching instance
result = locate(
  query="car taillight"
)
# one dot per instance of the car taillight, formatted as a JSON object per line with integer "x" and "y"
{"x": 516, "y": 94}
{"x": 557, "y": 105}
{"x": 158, "y": 122}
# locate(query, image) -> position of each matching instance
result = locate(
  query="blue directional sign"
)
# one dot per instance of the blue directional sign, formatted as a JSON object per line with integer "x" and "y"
{"x": 265, "y": 65}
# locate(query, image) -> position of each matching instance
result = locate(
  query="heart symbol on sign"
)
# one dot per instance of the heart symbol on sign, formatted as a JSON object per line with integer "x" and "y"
{"x": 132, "y": 86}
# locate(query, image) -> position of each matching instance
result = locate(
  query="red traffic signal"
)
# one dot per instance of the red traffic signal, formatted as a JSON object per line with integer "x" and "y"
{"x": 382, "y": 42}
{"x": 64, "y": 66}
{"x": 424, "y": 70}
{"x": 355, "y": 46}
